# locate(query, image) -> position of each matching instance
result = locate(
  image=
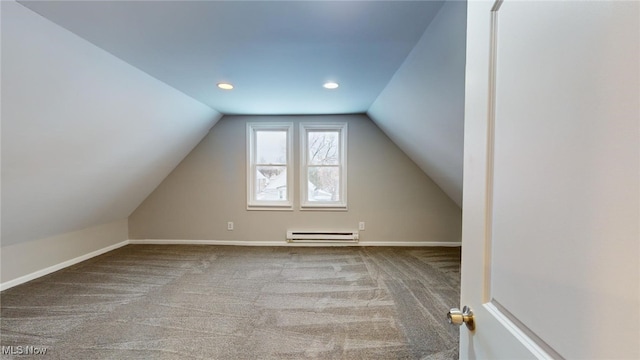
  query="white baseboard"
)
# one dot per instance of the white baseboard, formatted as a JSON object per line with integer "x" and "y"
{"x": 411, "y": 243}
{"x": 36, "y": 274}
{"x": 284, "y": 243}
{"x": 205, "y": 242}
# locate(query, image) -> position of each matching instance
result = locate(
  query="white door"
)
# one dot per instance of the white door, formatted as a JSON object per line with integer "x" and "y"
{"x": 551, "y": 240}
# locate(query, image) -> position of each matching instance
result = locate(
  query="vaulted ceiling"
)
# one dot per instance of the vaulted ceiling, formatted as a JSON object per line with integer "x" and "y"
{"x": 111, "y": 95}
{"x": 277, "y": 54}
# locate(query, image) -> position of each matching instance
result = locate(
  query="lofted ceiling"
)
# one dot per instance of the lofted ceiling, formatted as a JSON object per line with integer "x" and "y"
{"x": 78, "y": 115}
{"x": 277, "y": 54}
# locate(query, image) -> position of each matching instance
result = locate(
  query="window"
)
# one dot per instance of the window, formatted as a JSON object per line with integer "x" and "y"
{"x": 323, "y": 180}
{"x": 269, "y": 166}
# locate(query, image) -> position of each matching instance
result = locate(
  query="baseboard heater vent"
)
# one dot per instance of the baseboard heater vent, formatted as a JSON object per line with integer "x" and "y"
{"x": 322, "y": 236}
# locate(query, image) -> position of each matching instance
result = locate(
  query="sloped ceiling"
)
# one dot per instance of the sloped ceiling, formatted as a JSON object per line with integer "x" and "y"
{"x": 276, "y": 53}
{"x": 86, "y": 135}
{"x": 422, "y": 107}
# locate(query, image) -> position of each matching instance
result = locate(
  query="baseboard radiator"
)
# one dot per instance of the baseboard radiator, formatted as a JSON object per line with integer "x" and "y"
{"x": 329, "y": 236}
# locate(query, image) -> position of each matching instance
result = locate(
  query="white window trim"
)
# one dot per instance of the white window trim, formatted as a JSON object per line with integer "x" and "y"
{"x": 253, "y": 204}
{"x": 305, "y": 204}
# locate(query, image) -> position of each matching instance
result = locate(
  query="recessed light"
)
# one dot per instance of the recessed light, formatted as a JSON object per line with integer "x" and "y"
{"x": 225, "y": 86}
{"x": 330, "y": 85}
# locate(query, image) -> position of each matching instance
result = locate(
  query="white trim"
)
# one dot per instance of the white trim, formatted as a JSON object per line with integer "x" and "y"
{"x": 323, "y": 207}
{"x": 252, "y": 128}
{"x": 285, "y": 243}
{"x": 269, "y": 208}
{"x": 204, "y": 242}
{"x": 341, "y": 128}
{"x": 46, "y": 271}
{"x": 412, "y": 243}
{"x": 517, "y": 332}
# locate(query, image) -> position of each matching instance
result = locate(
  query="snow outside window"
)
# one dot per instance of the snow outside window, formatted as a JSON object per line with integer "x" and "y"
{"x": 323, "y": 177}
{"x": 270, "y": 168}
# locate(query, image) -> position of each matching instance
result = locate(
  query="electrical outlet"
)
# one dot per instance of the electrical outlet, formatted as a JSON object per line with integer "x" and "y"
{"x": 361, "y": 225}
{"x": 230, "y": 225}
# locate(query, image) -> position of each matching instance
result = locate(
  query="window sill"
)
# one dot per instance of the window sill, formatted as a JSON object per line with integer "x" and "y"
{"x": 324, "y": 208}
{"x": 269, "y": 208}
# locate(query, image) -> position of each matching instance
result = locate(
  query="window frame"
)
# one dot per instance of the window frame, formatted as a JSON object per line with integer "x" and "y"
{"x": 252, "y": 202}
{"x": 305, "y": 204}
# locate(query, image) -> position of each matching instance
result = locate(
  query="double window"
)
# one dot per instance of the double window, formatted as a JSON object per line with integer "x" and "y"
{"x": 323, "y": 168}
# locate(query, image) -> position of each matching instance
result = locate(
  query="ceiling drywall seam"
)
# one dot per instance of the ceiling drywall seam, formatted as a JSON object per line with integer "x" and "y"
{"x": 422, "y": 107}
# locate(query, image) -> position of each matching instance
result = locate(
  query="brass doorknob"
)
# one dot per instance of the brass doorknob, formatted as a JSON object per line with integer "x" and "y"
{"x": 457, "y": 317}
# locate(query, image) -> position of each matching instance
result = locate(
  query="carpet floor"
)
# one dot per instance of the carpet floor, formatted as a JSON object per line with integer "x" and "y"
{"x": 226, "y": 302}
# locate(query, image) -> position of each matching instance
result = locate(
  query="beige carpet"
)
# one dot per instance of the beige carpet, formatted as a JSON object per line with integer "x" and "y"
{"x": 224, "y": 302}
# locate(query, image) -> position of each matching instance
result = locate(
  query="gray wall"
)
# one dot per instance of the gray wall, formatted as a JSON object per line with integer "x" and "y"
{"x": 398, "y": 202}
{"x": 422, "y": 107}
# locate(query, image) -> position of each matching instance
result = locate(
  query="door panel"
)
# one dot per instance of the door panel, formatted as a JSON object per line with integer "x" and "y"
{"x": 551, "y": 198}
